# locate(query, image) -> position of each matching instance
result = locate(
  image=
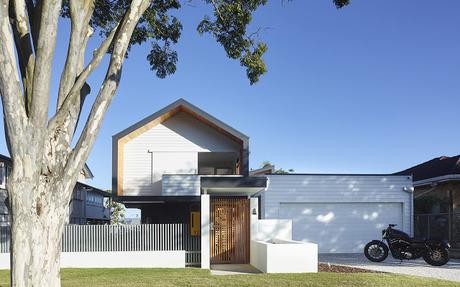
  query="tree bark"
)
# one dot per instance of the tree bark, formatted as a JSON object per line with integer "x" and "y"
{"x": 38, "y": 216}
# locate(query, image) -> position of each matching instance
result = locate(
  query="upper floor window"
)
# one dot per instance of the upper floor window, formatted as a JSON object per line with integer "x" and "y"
{"x": 217, "y": 163}
{"x": 94, "y": 198}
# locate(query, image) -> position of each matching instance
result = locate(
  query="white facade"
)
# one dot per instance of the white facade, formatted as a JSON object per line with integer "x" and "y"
{"x": 340, "y": 213}
{"x": 170, "y": 147}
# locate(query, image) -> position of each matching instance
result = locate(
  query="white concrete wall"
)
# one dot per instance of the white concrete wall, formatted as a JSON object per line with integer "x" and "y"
{"x": 265, "y": 229}
{"x": 175, "y": 145}
{"x": 284, "y": 256}
{"x": 205, "y": 232}
{"x": 123, "y": 259}
{"x": 273, "y": 228}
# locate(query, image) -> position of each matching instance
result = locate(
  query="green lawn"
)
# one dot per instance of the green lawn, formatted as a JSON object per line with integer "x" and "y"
{"x": 197, "y": 277}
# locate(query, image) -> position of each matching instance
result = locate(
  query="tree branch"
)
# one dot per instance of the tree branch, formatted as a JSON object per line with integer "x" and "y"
{"x": 109, "y": 86}
{"x": 73, "y": 96}
{"x": 44, "y": 51}
{"x": 10, "y": 87}
{"x": 80, "y": 14}
{"x": 24, "y": 47}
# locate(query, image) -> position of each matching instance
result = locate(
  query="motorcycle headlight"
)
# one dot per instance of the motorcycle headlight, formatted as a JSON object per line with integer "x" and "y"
{"x": 448, "y": 246}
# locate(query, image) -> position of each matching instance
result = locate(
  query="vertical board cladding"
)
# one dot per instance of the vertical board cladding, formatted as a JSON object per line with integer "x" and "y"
{"x": 173, "y": 146}
{"x": 331, "y": 189}
{"x": 230, "y": 234}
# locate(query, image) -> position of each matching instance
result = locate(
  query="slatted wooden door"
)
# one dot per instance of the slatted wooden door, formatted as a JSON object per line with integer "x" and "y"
{"x": 230, "y": 230}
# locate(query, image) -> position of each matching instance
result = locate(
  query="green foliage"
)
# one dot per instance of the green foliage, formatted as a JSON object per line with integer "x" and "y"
{"x": 156, "y": 26}
{"x": 282, "y": 171}
{"x": 277, "y": 171}
{"x": 228, "y": 26}
{"x": 341, "y": 3}
{"x": 162, "y": 60}
{"x": 117, "y": 211}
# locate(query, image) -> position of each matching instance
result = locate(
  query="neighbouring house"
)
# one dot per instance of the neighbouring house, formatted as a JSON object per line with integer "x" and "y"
{"x": 437, "y": 199}
{"x": 182, "y": 165}
{"x": 87, "y": 205}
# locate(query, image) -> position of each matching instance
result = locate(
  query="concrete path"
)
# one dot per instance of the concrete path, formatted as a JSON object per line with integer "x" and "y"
{"x": 450, "y": 271}
{"x": 233, "y": 269}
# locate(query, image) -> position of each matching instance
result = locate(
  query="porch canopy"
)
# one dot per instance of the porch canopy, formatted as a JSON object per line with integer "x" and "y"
{"x": 233, "y": 185}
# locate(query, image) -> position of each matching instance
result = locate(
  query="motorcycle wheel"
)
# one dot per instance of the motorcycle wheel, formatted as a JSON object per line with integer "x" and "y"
{"x": 438, "y": 256}
{"x": 376, "y": 251}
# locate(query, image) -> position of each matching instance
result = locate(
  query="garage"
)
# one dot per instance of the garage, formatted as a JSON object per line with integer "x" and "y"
{"x": 339, "y": 212}
{"x": 340, "y": 227}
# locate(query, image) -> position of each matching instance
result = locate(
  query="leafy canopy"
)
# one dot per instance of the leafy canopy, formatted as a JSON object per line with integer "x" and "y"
{"x": 228, "y": 25}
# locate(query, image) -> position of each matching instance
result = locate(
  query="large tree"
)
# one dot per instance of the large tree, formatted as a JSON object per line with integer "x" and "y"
{"x": 45, "y": 162}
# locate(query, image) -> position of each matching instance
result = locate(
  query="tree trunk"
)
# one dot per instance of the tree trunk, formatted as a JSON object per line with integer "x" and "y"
{"x": 38, "y": 217}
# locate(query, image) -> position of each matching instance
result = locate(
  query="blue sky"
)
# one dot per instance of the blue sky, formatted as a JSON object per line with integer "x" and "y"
{"x": 372, "y": 88}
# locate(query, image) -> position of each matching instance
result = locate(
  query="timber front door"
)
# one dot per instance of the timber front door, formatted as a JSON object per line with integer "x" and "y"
{"x": 230, "y": 230}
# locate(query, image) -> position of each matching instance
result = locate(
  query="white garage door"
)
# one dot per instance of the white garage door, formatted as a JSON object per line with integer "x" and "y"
{"x": 340, "y": 227}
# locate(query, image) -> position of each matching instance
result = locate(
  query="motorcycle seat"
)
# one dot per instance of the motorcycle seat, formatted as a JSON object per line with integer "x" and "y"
{"x": 418, "y": 240}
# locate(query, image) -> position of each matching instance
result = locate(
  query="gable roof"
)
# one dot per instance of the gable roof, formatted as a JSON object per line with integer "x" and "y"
{"x": 182, "y": 105}
{"x": 269, "y": 169}
{"x": 437, "y": 167}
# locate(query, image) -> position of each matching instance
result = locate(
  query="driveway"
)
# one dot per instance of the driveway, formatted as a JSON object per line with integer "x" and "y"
{"x": 450, "y": 271}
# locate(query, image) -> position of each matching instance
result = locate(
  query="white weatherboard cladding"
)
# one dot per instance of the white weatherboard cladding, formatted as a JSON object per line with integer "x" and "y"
{"x": 175, "y": 185}
{"x": 174, "y": 163}
{"x": 175, "y": 144}
{"x": 307, "y": 198}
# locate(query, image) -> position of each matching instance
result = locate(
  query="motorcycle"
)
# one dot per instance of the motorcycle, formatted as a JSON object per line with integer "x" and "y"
{"x": 402, "y": 246}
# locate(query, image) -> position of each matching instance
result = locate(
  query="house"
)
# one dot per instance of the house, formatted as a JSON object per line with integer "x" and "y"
{"x": 437, "y": 199}
{"x": 87, "y": 205}
{"x": 182, "y": 165}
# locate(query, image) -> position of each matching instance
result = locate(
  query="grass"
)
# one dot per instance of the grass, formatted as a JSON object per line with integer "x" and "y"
{"x": 198, "y": 277}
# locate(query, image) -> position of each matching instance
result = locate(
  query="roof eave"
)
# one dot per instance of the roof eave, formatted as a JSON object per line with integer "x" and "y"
{"x": 437, "y": 179}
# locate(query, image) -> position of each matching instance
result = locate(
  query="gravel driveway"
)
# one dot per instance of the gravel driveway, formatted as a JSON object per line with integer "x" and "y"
{"x": 450, "y": 271}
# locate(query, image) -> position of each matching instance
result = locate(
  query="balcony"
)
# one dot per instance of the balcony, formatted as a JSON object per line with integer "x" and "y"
{"x": 217, "y": 163}
{"x": 97, "y": 212}
{"x": 191, "y": 184}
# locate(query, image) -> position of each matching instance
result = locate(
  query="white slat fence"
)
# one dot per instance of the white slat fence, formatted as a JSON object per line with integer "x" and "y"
{"x": 143, "y": 237}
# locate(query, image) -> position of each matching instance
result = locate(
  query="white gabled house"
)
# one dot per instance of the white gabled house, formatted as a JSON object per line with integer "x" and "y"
{"x": 182, "y": 165}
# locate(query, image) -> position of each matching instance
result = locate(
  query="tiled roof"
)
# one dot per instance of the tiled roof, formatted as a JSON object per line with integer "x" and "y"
{"x": 439, "y": 166}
